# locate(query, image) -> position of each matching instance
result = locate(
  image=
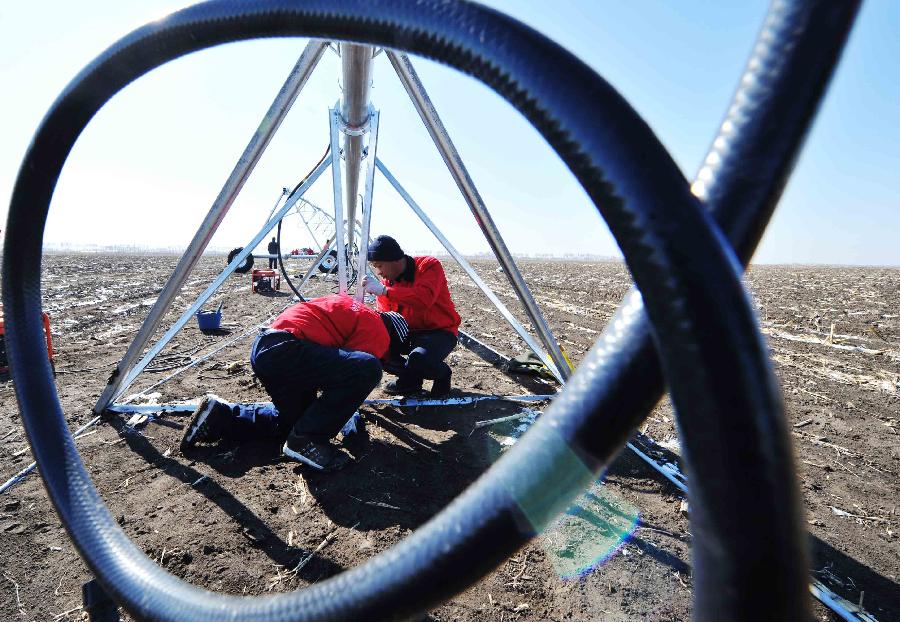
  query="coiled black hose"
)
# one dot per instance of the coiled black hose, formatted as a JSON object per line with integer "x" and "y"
{"x": 620, "y": 379}
{"x": 711, "y": 353}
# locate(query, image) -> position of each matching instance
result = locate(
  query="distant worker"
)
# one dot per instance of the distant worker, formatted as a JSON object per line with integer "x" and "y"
{"x": 273, "y": 250}
{"x": 416, "y": 287}
{"x": 331, "y": 345}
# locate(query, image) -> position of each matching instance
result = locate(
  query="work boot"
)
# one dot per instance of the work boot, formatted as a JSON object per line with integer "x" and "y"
{"x": 394, "y": 366}
{"x": 208, "y": 423}
{"x": 400, "y": 387}
{"x": 320, "y": 456}
{"x": 440, "y": 388}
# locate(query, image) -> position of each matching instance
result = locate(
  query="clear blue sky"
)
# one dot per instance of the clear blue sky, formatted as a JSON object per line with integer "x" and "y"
{"x": 148, "y": 167}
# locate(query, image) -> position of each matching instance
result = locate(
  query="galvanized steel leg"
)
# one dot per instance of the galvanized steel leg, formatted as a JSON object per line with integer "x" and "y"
{"x": 209, "y": 291}
{"x": 367, "y": 206}
{"x": 284, "y": 193}
{"x": 255, "y": 148}
{"x": 334, "y": 120}
{"x": 410, "y": 80}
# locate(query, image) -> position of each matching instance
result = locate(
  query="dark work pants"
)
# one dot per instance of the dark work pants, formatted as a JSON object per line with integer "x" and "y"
{"x": 273, "y": 263}
{"x": 294, "y": 371}
{"x": 426, "y": 359}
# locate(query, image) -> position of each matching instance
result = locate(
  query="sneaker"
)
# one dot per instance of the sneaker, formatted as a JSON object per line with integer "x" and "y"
{"x": 320, "y": 456}
{"x": 394, "y": 365}
{"x": 207, "y": 424}
{"x": 441, "y": 388}
{"x": 397, "y": 387}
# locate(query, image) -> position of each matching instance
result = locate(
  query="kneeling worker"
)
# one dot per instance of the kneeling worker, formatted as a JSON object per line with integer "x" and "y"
{"x": 332, "y": 344}
{"x": 416, "y": 287}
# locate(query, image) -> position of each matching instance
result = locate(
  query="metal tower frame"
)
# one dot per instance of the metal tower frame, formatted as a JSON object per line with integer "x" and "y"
{"x": 691, "y": 324}
{"x": 351, "y": 120}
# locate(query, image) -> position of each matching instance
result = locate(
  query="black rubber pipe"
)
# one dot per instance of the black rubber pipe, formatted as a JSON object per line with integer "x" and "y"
{"x": 687, "y": 277}
{"x": 284, "y": 272}
{"x": 620, "y": 380}
{"x": 281, "y": 267}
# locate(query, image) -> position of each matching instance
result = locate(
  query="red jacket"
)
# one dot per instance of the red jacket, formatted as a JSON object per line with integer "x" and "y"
{"x": 421, "y": 295}
{"x": 337, "y": 321}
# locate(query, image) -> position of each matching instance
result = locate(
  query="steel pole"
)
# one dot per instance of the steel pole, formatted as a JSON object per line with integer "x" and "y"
{"x": 258, "y": 142}
{"x": 410, "y": 80}
{"x": 336, "y": 182}
{"x": 367, "y": 206}
{"x": 211, "y": 289}
{"x": 356, "y": 70}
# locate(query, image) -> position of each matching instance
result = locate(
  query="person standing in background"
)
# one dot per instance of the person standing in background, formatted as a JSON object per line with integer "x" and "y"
{"x": 273, "y": 250}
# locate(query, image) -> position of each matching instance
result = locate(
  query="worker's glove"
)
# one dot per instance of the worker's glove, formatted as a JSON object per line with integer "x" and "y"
{"x": 373, "y": 286}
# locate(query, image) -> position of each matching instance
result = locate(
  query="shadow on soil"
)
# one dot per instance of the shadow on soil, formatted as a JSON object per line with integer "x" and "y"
{"x": 400, "y": 478}
{"x": 844, "y": 575}
{"x": 255, "y": 528}
{"x": 851, "y": 578}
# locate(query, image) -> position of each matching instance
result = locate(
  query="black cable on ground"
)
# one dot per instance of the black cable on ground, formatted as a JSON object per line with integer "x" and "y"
{"x": 712, "y": 356}
{"x": 284, "y": 273}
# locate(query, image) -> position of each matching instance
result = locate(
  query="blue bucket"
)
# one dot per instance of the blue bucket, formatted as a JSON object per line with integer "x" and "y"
{"x": 209, "y": 320}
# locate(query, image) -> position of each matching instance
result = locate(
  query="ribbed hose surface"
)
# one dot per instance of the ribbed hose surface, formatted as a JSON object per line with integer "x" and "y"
{"x": 620, "y": 380}
{"x": 712, "y": 355}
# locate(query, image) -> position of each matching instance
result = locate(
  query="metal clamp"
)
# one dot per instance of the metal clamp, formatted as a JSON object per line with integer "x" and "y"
{"x": 353, "y": 130}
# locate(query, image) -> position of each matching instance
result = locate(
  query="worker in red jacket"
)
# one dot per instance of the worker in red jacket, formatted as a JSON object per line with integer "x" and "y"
{"x": 416, "y": 287}
{"x": 319, "y": 360}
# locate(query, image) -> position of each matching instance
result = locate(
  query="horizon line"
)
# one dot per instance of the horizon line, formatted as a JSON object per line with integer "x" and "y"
{"x": 131, "y": 249}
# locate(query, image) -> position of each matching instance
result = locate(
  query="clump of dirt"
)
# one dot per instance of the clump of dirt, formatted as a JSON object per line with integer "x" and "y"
{"x": 240, "y": 519}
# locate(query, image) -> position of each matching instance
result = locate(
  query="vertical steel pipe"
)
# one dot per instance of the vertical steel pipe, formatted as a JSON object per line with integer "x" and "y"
{"x": 410, "y": 80}
{"x": 340, "y": 247}
{"x": 367, "y": 206}
{"x": 258, "y": 142}
{"x": 356, "y": 70}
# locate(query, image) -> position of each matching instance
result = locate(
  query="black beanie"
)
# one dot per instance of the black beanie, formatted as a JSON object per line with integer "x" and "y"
{"x": 385, "y": 248}
{"x": 398, "y": 331}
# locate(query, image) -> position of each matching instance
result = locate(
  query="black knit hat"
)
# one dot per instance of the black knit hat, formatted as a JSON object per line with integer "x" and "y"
{"x": 398, "y": 330}
{"x": 385, "y": 248}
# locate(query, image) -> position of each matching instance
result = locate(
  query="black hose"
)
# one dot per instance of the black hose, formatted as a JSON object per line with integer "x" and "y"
{"x": 287, "y": 277}
{"x": 619, "y": 381}
{"x": 711, "y": 353}
{"x": 284, "y": 273}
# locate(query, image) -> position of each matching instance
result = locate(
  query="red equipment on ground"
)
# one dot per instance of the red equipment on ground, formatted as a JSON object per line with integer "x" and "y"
{"x": 4, "y": 365}
{"x": 264, "y": 280}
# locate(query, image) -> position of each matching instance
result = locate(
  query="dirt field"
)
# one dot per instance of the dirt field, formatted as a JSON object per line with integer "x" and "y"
{"x": 240, "y": 520}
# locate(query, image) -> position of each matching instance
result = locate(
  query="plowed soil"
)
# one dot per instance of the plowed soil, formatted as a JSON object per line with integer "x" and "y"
{"x": 241, "y": 520}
